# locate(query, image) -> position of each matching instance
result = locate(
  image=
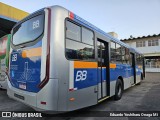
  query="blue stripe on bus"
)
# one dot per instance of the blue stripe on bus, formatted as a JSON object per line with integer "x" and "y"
{"x": 94, "y": 75}
{"x": 90, "y": 80}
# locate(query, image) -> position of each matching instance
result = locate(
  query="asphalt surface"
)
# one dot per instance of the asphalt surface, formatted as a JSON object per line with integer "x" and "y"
{"x": 144, "y": 97}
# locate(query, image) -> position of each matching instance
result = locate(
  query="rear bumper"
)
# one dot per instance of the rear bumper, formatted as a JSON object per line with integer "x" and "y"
{"x": 34, "y": 99}
{"x": 29, "y": 98}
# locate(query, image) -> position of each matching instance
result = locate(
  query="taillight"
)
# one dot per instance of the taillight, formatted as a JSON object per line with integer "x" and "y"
{"x": 43, "y": 103}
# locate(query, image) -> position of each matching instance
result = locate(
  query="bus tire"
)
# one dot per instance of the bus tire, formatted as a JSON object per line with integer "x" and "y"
{"x": 118, "y": 90}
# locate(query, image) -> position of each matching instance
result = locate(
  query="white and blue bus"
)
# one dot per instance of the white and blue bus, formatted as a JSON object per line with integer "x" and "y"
{"x": 60, "y": 62}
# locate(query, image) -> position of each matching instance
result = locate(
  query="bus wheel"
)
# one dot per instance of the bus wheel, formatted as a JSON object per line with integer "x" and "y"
{"x": 118, "y": 90}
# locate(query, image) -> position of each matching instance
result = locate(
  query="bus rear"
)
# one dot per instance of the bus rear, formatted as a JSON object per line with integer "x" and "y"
{"x": 29, "y": 61}
{"x": 4, "y": 53}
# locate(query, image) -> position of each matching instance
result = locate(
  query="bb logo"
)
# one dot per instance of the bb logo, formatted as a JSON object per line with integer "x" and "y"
{"x": 14, "y": 57}
{"x": 81, "y": 75}
{"x": 35, "y": 24}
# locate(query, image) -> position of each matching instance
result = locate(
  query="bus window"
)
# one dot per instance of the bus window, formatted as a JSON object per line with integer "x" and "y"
{"x": 131, "y": 59}
{"x": 77, "y": 50}
{"x": 28, "y": 30}
{"x": 123, "y": 55}
{"x": 127, "y": 57}
{"x": 73, "y": 31}
{"x": 118, "y": 54}
{"x": 113, "y": 52}
{"x": 77, "y": 47}
{"x": 87, "y": 36}
{"x": 139, "y": 60}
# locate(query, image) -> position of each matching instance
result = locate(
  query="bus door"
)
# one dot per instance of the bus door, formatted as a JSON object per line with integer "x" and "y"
{"x": 103, "y": 70}
{"x": 133, "y": 69}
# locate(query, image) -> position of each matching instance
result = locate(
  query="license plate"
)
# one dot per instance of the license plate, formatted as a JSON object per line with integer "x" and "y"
{"x": 22, "y": 86}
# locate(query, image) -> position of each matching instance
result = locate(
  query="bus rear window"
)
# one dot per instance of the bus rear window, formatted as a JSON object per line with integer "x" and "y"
{"x": 29, "y": 30}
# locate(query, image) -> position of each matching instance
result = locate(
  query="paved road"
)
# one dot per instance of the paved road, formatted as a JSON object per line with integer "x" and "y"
{"x": 144, "y": 97}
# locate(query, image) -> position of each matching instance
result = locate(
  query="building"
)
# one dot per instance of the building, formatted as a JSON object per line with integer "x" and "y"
{"x": 150, "y": 47}
{"x": 9, "y": 16}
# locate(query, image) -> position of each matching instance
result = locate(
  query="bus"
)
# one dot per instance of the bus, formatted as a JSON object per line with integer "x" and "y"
{"x": 61, "y": 62}
{"x": 4, "y": 60}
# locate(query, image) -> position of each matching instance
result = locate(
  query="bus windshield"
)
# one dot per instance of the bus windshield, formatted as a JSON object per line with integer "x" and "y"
{"x": 29, "y": 30}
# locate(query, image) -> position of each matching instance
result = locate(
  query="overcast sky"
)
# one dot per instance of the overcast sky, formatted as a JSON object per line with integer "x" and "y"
{"x": 125, "y": 17}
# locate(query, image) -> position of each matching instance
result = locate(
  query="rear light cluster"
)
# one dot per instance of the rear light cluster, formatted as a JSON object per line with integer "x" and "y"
{"x": 43, "y": 103}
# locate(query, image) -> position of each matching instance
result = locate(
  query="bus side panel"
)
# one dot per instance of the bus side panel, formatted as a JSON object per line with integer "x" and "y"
{"x": 81, "y": 98}
{"x": 138, "y": 74}
{"x": 59, "y": 65}
{"x": 129, "y": 76}
{"x": 82, "y": 85}
{"x": 48, "y": 94}
{"x": 122, "y": 70}
{"x": 4, "y": 52}
{"x": 112, "y": 87}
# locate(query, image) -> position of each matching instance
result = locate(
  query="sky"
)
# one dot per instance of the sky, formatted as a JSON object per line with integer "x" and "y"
{"x": 125, "y": 17}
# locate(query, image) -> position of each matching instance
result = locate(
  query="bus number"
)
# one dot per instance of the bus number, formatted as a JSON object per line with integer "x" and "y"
{"x": 81, "y": 75}
{"x": 35, "y": 24}
{"x": 14, "y": 57}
